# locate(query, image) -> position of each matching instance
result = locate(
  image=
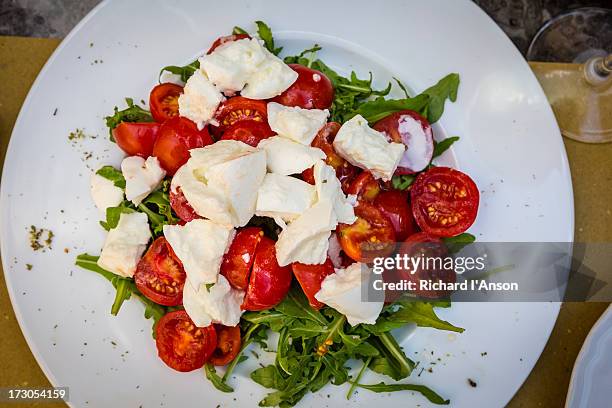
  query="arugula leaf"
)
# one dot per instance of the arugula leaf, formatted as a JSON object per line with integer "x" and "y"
{"x": 402, "y": 87}
{"x": 114, "y": 213}
{"x": 392, "y": 362}
{"x": 445, "y": 89}
{"x": 442, "y": 146}
{"x": 457, "y": 243}
{"x": 296, "y": 305}
{"x": 185, "y": 71}
{"x": 265, "y": 33}
{"x": 427, "y": 392}
{"x": 213, "y": 377}
{"x": 125, "y": 287}
{"x": 133, "y": 113}
{"x": 112, "y": 174}
{"x": 423, "y": 315}
{"x": 380, "y": 108}
{"x": 402, "y": 182}
{"x": 359, "y": 375}
{"x": 157, "y": 207}
{"x": 238, "y": 30}
{"x": 269, "y": 377}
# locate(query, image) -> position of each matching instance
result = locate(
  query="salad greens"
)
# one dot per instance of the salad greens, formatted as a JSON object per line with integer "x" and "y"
{"x": 314, "y": 347}
{"x": 133, "y": 113}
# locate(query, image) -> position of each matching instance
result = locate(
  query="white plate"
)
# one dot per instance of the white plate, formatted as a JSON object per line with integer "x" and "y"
{"x": 592, "y": 375}
{"x": 510, "y": 145}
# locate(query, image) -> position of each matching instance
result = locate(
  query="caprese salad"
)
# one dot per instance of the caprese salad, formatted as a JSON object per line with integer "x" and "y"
{"x": 254, "y": 192}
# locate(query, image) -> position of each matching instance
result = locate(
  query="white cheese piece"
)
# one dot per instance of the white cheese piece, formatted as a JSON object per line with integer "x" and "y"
{"x": 231, "y": 64}
{"x": 286, "y": 157}
{"x": 342, "y": 292}
{"x": 295, "y": 123}
{"x": 200, "y": 99}
{"x": 305, "y": 240}
{"x": 168, "y": 77}
{"x": 200, "y": 245}
{"x": 271, "y": 79}
{"x": 329, "y": 188}
{"x": 218, "y": 304}
{"x": 220, "y": 181}
{"x": 420, "y": 148}
{"x": 104, "y": 192}
{"x": 284, "y": 197}
{"x": 125, "y": 244}
{"x": 367, "y": 148}
{"x": 141, "y": 177}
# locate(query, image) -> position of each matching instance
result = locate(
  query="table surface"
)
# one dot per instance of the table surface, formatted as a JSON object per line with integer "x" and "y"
{"x": 22, "y": 58}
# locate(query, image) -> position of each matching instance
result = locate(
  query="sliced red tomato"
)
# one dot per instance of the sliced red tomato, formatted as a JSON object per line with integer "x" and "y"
{"x": 158, "y": 276}
{"x": 444, "y": 201}
{"x": 182, "y": 345}
{"x": 311, "y": 90}
{"x": 238, "y": 261}
{"x": 237, "y": 109}
{"x": 365, "y": 186}
{"x": 344, "y": 170}
{"x": 310, "y": 278}
{"x": 163, "y": 101}
{"x": 414, "y": 131}
{"x": 424, "y": 246}
{"x": 269, "y": 282}
{"x": 225, "y": 39}
{"x": 181, "y": 207}
{"x": 250, "y": 132}
{"x": 176, "y": 137}
{"x": 136, "y": 139}
{"x": 228, "y": 345}
{"x": 394, "y": 205}
{"x": 371, "y": 236}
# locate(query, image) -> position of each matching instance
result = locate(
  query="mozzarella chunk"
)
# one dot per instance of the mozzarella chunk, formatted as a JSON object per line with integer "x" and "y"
{"x": 167, "y": 77}
{"x": 285, "y": 157}
{"x": 200, "y": 246}
{"x": 104, "y": 192}
{"x": 200, "y": 99}
{"x": 305, "y": 240}
{"x": 220, "y": 181}
{"x": 231, "y": 64}
{"x": 218, "y": 304}
{"x": 342, "y": 292}
{"x": 141, "y": 177}
{"x": 328, "y": 188}
{"x": 271, "y": 79}
{"x": 368, "y": 149}
{"x": 295, "y": 123}
{"x": 125, "y": 244}
{"x": 284, "y": 197}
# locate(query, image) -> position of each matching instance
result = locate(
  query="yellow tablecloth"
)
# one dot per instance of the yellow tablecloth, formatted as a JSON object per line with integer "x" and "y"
{"x": 22, "y": 58}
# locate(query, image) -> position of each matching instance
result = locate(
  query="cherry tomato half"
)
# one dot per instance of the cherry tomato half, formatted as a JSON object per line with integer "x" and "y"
{"x": 269, "y": 282}
{"x": 163, "y": 101}
{"x": 181, "y": 207}
{"x": 371, "y": 236}
{"x": 394, "y": 204}
{"x": 310, "y": 278}
{"x": 238, "y": 261}
{"x": 364, "y": 186}
{"x": 414, "y": 131}
{"x": 182, "y": 345}
{"x": 250, "y": 132}
{"x": 136, "y": 139}
{"x": 424, "y": 246}
{"x": 444, "y": 201}
{"x": 159, "y": 277}
{"x": 176, "y": 137}
{"x": 228, "y": 345}
{"x": 225, "y": 39}
{"x": 237, "y": 109}
{"x": 311, "y": 90}
{"x": 344, "y": 170}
